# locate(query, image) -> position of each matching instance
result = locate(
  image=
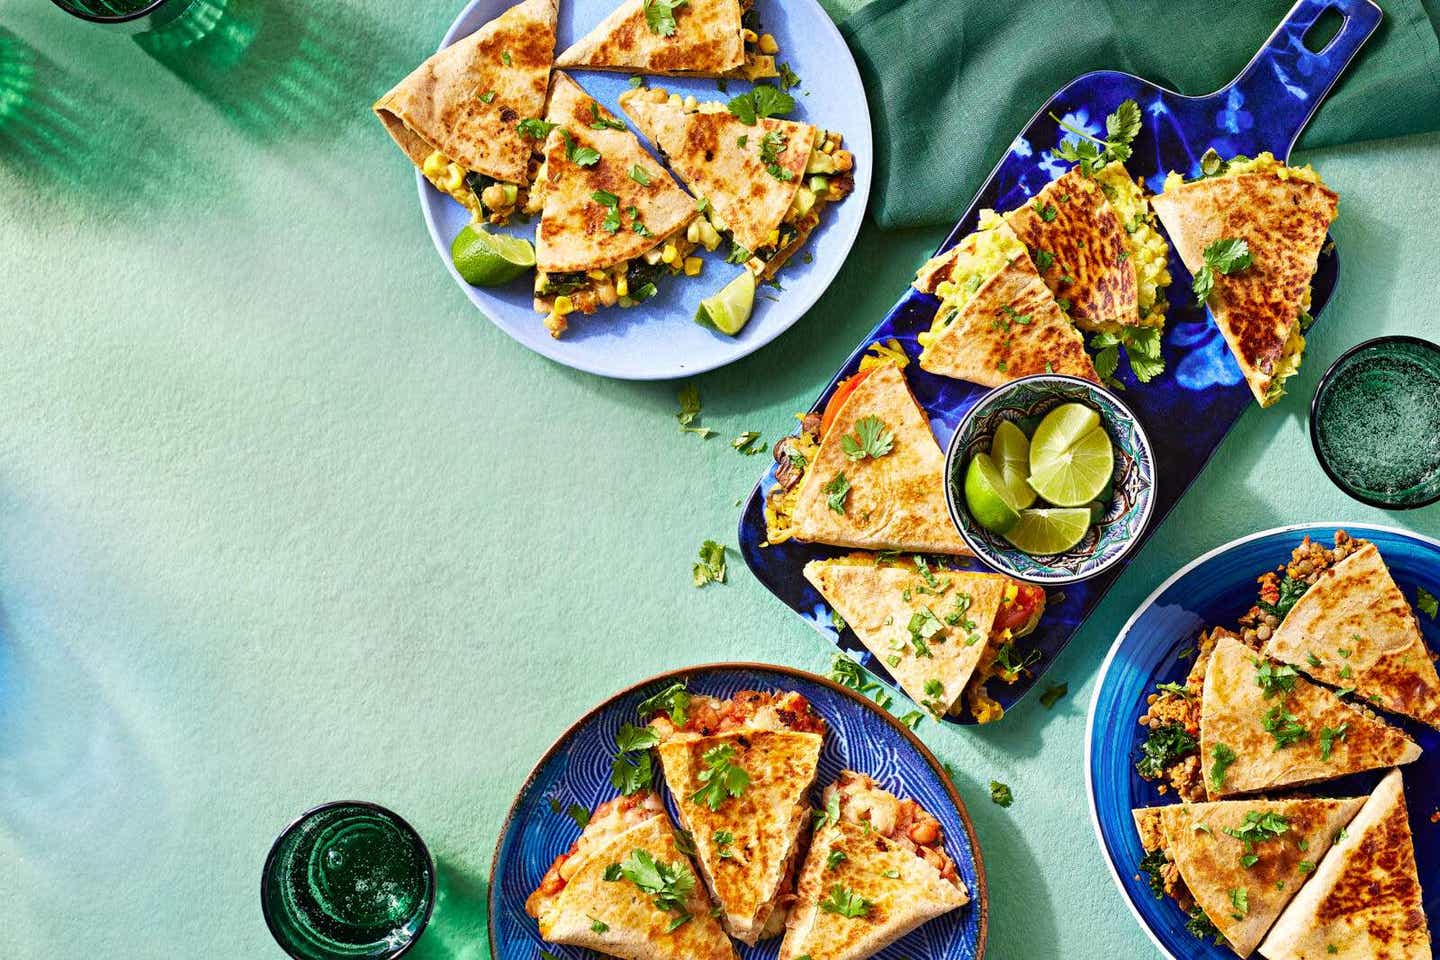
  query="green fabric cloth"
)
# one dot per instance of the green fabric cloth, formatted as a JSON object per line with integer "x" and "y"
{"x": 950, "y": 82}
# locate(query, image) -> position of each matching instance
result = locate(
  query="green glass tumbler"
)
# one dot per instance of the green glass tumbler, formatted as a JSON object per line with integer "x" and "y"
{"x": 345, "y": 880}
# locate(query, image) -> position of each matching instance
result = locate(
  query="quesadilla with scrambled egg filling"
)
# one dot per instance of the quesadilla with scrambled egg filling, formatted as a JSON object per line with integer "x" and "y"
{"x": 458, "y": 115}
{"x": 696, "y": 38}
{"x": 1353, "y": 628}
{"x": 740, "y": 771}
{"x": 1237, "y": 862}
{"x": 877, "y": 869}
{"x": 1263, "y": 726}
{"x": 1254, "y": 229}
{"x": 1364, "y": 901}
{"x": 1094, "y": 243}
{"x": 942, "y": 633}
{"x": 764, "y": 183}
{"x": 997, "y": 320}
{"x": 867, "y": 473}
{"x": 625, "y": 889}
{"x": 613, "y": 221}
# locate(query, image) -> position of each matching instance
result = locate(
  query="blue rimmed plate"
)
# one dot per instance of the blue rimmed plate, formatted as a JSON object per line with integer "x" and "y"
{"x": 659, "y": 339}
{"x": 862, "y": 737}
{"x": 1215, "y": 590}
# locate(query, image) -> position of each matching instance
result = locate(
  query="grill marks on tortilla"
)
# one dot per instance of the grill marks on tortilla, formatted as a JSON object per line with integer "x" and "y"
{"x": 706, "y": 42}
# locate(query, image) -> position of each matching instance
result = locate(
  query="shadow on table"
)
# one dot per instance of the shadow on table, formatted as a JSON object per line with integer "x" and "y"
{"x": 458, "y": 928}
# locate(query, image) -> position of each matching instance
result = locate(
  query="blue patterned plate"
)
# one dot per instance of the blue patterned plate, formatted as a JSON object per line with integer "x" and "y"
{"x": 1215, "y": 590}
{"x": 1264, "y": 108}
{"x": 862, "y": 737}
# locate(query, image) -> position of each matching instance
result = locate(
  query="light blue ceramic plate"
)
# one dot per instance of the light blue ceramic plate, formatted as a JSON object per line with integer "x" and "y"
{"x": 862, "y": 737}
{"x": 1215, "y": 590}
{"x": 660, "y": 340}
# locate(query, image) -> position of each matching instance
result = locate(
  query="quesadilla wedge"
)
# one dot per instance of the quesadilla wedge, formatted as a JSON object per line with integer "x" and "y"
{"x": 877, "y": 869}
{"x": 694, "y": 38}
{"x": 613, "y": 222}
{"x": 764, "y": 183}
{"x": 458, "y": 115}
{"x": 1364, "y": 901}
{"x": 997, "y": 320}
{"x": 942, "y": 633}
{"x": 883, "y": 490}
{"x": 740, "y": 771}
{"x": 1258, "y": 294}
{"x": 626, "y": 890}
{"x": 1354, "y": 628}
{"x": 1237, "y": 862}
{"x": 1263, "y": 726}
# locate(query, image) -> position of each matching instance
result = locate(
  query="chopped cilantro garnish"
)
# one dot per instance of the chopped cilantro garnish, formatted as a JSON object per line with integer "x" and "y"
{"x": 1328, "y": 736}
{"x": 599, "y": 122}
{"x": 580, "y": 156}
{"x": 1001, "y": 794}
{"x": 763, "y": 101}
{"x": 871, "y": 439}
{"x": 689, "y": 410}
{"x": 638, "y": 174}
{"x": 845, "y": 903}
{"x": 535, "y": 128}
{"x": 1227, "y": 255}
{"x": 711, "y": 567}
{"x": 670, "y": 884}
{"x": 1426, "y": 602}
{"x": 1052, "y": 694}
{"x": 674, "y": 700}
{"x": 1165, "y": 744}
{"x": 1274, "y": 678}
{"x": 838, "y": 489}
{"x": 1283, "y": 726}
{"x": 721, "y": 778}
{"x": 1223, "y": 757}
{"x": 772, "y": 145}
{"x": 660, "y": 15}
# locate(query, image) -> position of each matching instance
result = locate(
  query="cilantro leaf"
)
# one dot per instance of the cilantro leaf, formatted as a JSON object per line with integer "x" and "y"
{"x": 1226, "y": 255}
{"x": 763, "y": 101}
{"x": 772, "y": 145}
{"x": 660, "y": 16}
{"x": 690, "y": 409}
{"x": 1328, "y": 736}
{"x": 1223, "y": 756}
{"x": 1093, "y": 153}
{"x": 669, "y": 883}
{"x": 638, "y": 174}
{"x": 674, "y": 700}
{"x": 1426, "y": 602}
{"x": 580, "y": 156}
{"x": 535, "y": 128}
{"x": 838, "y": 488}
{"x": 606, "y": 199}
{"x": 721, "y": 778}
{"x": 711, "y": 568}
{"x": 845, "y": 903}
{"x": 872, "y": 438}
{"x": 598, "y": 122}
{"x": 1001, "y": 794}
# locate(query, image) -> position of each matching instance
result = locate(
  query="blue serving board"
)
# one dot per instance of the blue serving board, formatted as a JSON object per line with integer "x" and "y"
{"x": 1264, "y": 108}
{"x": 861, "y": 737}
{"x": 1215, "y": 590}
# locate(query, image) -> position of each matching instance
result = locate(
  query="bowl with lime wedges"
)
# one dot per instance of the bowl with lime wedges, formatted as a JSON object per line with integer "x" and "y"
{"x": 1050, "y": 479}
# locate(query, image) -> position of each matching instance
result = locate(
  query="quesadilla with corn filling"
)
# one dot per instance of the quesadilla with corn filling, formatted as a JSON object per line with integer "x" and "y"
{"x": 694, "y": 38}
{"x": 1254, "y": 229}
{"x": 1234, "y": 864}
{"x": 458, "y": 115}
{"x": 877, "y": 869}
{"x": 942, "y": 633}
{"x": 613, "y": 221}
{"x": 765, "y": 183}
{"x": 997, "y": 320}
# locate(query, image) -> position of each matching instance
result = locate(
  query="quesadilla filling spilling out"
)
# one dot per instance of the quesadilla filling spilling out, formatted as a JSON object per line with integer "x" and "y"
{"x": 746, "y": 710}
{"x": 485, "y": 197}
{"x": 1148, "y": 251}
{"x": 1163, "y": 876}
{"x": 627, "y": 283}
{"x": 610, "y": 820}
{"x": 861, "y": 801}
{"x": 979, "y": 256}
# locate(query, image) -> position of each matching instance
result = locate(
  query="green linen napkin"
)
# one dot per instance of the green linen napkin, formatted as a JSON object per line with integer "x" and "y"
{"x": 951, "y": 82}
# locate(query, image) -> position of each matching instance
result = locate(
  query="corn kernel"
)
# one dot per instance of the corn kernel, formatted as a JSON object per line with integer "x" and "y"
{"x": 692, "y": 232}
{"x": 773, "y": 238}
{"x": 454, "y": 179}
{"x": 622, "y": 287}
{"x": 675, "y": 100}
{"x": 596, "y": 274}
{"x": 691, "y": 104}
{"x": 693, "y": 265}
{"x": 669, "y": 254}
{"x": 828, "y": 147}
{"x": 768, "y": 44}
{"x": 435, "y": 164}
{"x": 563, "y": 305}
{"x": 749, "y": 35}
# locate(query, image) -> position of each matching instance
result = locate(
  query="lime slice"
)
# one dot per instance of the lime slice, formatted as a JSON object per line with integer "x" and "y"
{"x": 1010, "y": 449}
{"x": 986, "y": 497}
{"x": 1079, "y": 474}
{"x": 1059, "y": 431}
{"x": 1040, "y": 531}
{"x": 729, "y": 310}
{"x": 490, "y": 259}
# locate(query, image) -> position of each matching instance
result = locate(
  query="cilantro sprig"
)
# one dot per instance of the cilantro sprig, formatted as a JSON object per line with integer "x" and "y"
{"x": 670, "y": 884}
{"x": 872, "y": 438}
{"x": 580, "y": 156}
{"x": 1141, "y": 346}
{"x": 711, "y": 566}
{"x": 1094, "y": 153}
{"x": 763, "y": 101}
{"x": 722, "y": 778}
{"x": 837, "y": 489}
{"x": 772, "y": 145}
{"x": 630, "y": 770}
{"x": 660, "y": 15}
{"x": 1227, "y": 255}
{"x": 844, "y": 902}
{"x": 673, "y": 700}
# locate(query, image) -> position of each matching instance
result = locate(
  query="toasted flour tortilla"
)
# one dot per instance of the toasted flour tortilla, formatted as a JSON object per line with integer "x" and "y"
{"x": 1356, "y": 607}
{"x": 1233, "y": 711}
{"x": 707, "y": 42}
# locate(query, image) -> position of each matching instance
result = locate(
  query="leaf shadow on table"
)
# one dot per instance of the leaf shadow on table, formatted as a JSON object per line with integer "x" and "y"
{"x": 458, "y": 928}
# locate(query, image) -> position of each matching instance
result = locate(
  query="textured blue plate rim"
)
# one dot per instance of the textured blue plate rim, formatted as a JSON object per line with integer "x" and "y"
{"x": 981, "y": 895}
{"x": 1145, "y": 605}
{"x": 798, "y": 306}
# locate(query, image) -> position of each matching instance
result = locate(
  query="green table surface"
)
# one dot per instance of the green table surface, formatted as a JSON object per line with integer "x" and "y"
{"x": 283, "y": 519}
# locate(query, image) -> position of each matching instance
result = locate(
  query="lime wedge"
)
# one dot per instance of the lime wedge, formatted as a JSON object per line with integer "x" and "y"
{"x": 1059, "y": 431}
{"x": 1079, "y": 474}
{"x": 986, "y": 496}
{"x": 729, "y": 310}
{"x": 490, "y": 259}
{"x": 1040, "y": 531}
{"x": 1010, "y": 449}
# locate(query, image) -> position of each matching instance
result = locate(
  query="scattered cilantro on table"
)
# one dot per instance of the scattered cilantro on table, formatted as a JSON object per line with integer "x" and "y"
{"x": 1001, "y": 794}
{"x": 711, "y": 566}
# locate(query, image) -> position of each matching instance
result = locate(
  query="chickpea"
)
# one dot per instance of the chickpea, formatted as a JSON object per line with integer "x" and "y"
{"x": 493, "y": 196}
{"x": 926, "y": 831}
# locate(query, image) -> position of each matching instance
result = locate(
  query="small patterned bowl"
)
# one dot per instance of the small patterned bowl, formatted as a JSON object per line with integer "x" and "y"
{"x": 1026, "y": 401}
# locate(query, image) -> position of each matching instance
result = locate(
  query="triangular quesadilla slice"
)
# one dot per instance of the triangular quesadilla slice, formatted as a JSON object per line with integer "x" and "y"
{"x": 695, "y": 38}
{"x": 1262, "y": 726}
{"x": 765, "y": 183}
{"x": 1364, "y": 901}
{"x": 877, "y": 869}
{"x": 1281, "y": 214}
{"x": 626, "y": 890}
{"x": 880, "y": 490}
{"x": 1353, "y": 628}
{"x": 1238, "y": 861}
{"x": 741, "y": 787}
{"x": 613, "y": 222}
{"x": 997, "y": 320}
{"x": 458, "y": 116}
{"x": 942, "y": 633}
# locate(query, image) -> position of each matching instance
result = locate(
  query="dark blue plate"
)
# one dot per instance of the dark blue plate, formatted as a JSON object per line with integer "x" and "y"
{"x": 862, "y": 737}
{"x": 1216, "y": 590}
{"x": 1264, "y": 108}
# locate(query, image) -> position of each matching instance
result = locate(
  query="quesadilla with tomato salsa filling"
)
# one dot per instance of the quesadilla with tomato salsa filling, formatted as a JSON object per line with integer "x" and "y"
{"x": 694, "y": 38}
{"x": 868, "y": 473}
{"x": 740, "y": 771}
{"x": 877, "y": 869}
{"x": 625, "y": 889}
{"x": 458, "y": 116}
{"x": 942, "y": 633}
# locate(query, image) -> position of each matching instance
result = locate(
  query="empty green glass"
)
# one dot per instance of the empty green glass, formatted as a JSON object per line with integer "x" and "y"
{"x": 346, "y": 880}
